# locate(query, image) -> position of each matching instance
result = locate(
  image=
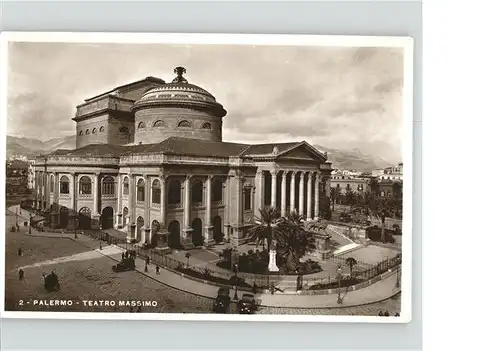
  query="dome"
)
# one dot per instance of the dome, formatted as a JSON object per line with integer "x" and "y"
{"x": 180, "y": 93}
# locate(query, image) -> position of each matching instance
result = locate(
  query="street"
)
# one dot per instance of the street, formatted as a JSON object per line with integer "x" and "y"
{"x": 86, "y": 275}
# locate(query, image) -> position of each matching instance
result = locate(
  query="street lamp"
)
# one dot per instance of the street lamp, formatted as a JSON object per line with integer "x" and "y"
{"x": 398, "y": 284}
{"x": 236, "y": 281}
{"x": 29, "y": 225}
{"x": 339, "y": 279}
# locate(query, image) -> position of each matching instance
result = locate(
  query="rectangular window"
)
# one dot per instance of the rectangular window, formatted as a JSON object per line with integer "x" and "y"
{"x": 247, "y": 193}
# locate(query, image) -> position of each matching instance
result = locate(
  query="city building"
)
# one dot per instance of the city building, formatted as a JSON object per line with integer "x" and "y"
{"x": 394, "y": 173}
{"x": 150, "y": 161}
{"x": 16, "y": 177}
{"x": 345, "y": 183}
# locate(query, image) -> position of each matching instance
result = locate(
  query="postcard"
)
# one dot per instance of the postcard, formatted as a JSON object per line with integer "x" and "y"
{"x": 207, "y": 177}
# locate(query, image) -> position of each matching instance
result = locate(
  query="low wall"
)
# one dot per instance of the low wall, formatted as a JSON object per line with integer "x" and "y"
{"x": 348, "y": 230}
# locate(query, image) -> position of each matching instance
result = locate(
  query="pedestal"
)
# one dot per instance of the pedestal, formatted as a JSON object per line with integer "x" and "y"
{"x": 187, "y": 239}
{"x": 209, "y": 236}
{"x": 131, "y": 234}
{"x": 162, "y": 238}
{"x": 145, "y": 232}
{"x": 272, "y": 267}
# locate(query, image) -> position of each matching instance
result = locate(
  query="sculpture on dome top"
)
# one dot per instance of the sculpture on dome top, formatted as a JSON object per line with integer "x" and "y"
{"x": 179, "y": 71}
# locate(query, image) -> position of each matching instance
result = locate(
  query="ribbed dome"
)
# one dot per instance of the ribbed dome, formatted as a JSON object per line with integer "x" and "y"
{"x": 180, "y": 93}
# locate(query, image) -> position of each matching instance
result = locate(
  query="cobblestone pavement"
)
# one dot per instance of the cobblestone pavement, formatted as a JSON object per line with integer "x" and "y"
{"x": 90, "y": 279}
{"x": 391, "y": 305}
{"x": 93, "y": 279}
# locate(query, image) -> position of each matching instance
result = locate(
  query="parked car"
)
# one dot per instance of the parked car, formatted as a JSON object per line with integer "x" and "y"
{"x": 247, "y": 304}
{"x": 128, "y": 264}
{"x": 222, "y": 301}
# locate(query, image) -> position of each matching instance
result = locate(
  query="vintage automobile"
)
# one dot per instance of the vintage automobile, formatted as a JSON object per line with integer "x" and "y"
{"x": 222, "y": 301}
{"x": 51, "y": 282}
{"x": 127, "y": 264}
{"x": 247, "y": 304}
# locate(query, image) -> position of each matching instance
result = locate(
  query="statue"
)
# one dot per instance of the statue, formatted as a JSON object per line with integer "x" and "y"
{"x": 272, "y": 267}
{"x": 179, "y": 71}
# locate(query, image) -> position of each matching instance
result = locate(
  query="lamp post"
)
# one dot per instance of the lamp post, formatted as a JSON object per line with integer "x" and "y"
{"x": 339, "y": 280}
{"x": 398, "y": 284}
{"x": 236, "y": 281}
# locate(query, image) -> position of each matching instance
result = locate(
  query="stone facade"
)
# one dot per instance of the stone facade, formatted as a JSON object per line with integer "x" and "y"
{"x": 176, "y": 188}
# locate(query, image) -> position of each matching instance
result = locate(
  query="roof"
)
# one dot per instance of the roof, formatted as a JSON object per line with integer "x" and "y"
{"x": 147, "y": 79}
{"x": 178, "y": 146}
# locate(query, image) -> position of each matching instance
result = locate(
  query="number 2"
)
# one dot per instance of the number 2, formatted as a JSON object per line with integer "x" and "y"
{"x": 21, "y": 302}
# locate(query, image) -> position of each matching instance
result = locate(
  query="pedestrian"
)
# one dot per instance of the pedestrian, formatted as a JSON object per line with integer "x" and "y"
{"x": 21, "y": 274}
{"x": 123, "y": 256}
{"x": 157, "y": 269}
{"x": 126, "y": 254}
{"x": 19, "y": 252}
{"x": 254, "y": 288}
{"x": 146, "y": 268}
{"x": 272, "y": 289}
{"x": 100, "y": 245}
{"x": 148, "y": 260}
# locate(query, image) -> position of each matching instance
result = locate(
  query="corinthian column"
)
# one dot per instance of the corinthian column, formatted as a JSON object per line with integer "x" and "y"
{"x": 273, "y": 188}
{"x": 292, "y": 192}
{"x": 309, "y": 196}
{"x": 259, "y": 192}
{"x": 316, "y": 196}
{"x": 95, "y": 193}
{"x": 301, "y": 194}
{"x": 163, "y": 206}
{"x": 186, "y": 239}
{"x": 119, "y": 203}
{"x": 209, "y": 236}
{"x": 283, "y": 193}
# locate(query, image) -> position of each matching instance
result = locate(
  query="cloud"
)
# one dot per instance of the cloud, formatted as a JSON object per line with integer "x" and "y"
{"x": 333, "y": 96}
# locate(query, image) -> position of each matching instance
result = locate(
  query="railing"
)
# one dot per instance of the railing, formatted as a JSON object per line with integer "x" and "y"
{"x": 362, "y": 272}
{"x": 174, "y": 206}
{"x": 198, "y": 205}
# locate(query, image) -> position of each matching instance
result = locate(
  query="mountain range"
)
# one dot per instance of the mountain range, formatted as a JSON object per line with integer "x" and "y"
{"x": 343, "y": 159}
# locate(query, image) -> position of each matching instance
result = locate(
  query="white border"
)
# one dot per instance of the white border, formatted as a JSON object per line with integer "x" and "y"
{"x": 405, "y": 43}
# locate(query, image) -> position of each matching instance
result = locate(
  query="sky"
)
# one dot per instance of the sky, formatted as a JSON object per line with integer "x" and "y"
{"x": 337, "y": 97}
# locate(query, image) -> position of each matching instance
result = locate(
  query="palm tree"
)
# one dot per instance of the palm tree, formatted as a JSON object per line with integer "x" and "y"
{"x": 188, "y": 255}
{"x": 265, "y": 226}
{"x": 293, "y": 242}
{"x": 295, "y": 217}
{"x": 351, "y": 262}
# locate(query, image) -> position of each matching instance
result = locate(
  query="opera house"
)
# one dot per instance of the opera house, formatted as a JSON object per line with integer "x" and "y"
{"x": 150, "y": 162}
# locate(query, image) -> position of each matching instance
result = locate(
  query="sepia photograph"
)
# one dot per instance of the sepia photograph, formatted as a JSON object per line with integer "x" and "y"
{"x": 207, "y": 176}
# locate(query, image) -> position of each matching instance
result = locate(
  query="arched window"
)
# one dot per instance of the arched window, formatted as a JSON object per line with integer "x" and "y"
{"x": 101, "y": 129}
{"x": 156, "y": 192}
{"x": 125, "y": 186}
{"x": 197, "y": 191}
{"x": 140, "y": 190}
{"x": 141, "y": 125}
{"x": 85, "y": 186}
{"x": 206, "y": 125}
{"x": 81, "y": 132}
{"x": 108, "y": 186}
{"x": 94, "y": 130}
{"x": 123, "y": 130}
{"x": 158, "y": 124}
{"x": 52, "y": 183}
{"x": 64, "y": 185}
{"x": 174, "y": 192}
{"x": 87, "y": 132}
{"x": 185, "y": 124}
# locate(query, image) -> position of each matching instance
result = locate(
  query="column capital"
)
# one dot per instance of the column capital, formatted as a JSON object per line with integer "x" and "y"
{"x": 293, "y": 173}
{"x": 210, "y": 177}
{"x": 302, "y": 175}
{"x": 259, "y": 173}
{"x": 285, "y": 172}
{"x": 189, "y": 176}
{"x": 273, "y": 172}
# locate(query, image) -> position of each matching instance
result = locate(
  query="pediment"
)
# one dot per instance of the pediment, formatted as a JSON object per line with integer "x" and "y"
{"x": 303, "y": 151}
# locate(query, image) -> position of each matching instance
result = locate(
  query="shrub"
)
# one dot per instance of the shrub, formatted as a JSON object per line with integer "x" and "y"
{"x": 334, "y": 285}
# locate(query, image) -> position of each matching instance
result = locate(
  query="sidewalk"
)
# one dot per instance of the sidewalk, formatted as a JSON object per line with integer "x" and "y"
{"x": 376, "y": 292}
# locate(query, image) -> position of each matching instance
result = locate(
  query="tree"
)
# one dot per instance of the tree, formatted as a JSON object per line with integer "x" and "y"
{"x": 265, "y": 226}
{"x": 351, "y": 262}
{"x": 349, "y": 197}
{"x": 334, "y": 195}
{"x": 293, "y": 242}
{"x": 374, "y": 186}
{"x": 188, "y": 255}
